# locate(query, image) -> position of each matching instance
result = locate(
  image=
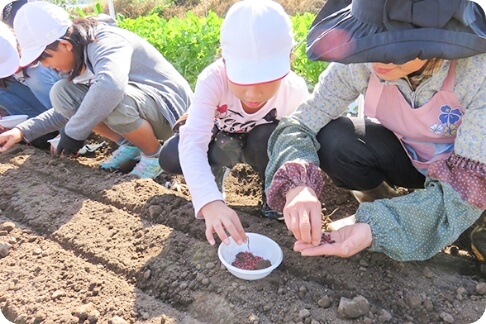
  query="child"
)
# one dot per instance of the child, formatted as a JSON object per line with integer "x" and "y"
{"x": 23, "y": 91}
{"x": 238, "y": 102}
{"x": 118, "y": 86}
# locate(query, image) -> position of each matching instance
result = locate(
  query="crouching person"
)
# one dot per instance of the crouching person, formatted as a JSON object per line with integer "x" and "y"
{"x": 118, "y": 86}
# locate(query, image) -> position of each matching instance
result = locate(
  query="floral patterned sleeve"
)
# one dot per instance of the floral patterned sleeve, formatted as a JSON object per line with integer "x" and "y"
{"x": 295, "y": 148}
{"x": 293, "y": 145}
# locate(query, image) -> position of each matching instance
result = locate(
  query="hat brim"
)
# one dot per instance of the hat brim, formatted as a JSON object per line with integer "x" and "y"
{"x": 10, "y": 66}
{"x": 247, "y": 73}
{"x": 30, "y": 55}
{"x": 9, "y": 55}
{"x": 339, "y": 37}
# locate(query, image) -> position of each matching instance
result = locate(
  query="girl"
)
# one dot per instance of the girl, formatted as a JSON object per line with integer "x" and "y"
{"x": 23, "y": 91}
{"x": 420, "y": 67}
{"x": 118, "y": 85}
{"x": 238, "y": 102}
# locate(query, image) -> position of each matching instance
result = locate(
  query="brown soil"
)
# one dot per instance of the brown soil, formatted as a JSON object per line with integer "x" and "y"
{"x": 86, "y": 246}
{"x": 81, "y": 245}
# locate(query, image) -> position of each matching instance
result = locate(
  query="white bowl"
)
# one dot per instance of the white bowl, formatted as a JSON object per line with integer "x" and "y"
{"x": 12, "y": 121}
{"x": 261, "y": 246}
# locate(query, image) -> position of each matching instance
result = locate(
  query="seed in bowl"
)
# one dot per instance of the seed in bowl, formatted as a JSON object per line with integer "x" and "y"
{"x": 248, "y": 261}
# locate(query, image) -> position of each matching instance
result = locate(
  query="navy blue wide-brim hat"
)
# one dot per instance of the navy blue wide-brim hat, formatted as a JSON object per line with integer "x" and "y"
{"x": 396, "y": 31}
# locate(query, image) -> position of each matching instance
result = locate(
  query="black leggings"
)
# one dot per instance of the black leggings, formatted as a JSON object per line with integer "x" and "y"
{"x": 359, "y": 154}
{"x": 225, "y": 149}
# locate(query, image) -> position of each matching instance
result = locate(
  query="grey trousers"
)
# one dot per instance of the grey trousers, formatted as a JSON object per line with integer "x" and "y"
{"x": 127, "y": 116}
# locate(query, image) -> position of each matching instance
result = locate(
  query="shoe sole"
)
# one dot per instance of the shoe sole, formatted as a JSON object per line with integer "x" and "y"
{"x": 280, "y": 219}
{"x": 121, "y": 165}
{"x": 136, "y": 175}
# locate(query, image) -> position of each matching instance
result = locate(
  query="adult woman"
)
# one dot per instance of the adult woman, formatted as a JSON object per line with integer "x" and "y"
{"x": 420, "y": 68}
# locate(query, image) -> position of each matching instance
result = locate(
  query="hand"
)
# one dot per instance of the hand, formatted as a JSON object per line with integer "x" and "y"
{"x": 348, "y": 241}
{"x": 9, "y": 138}
{"x": 67, "y": 145}
{"x": 302, "y": 214}
{"x": 219, "y": 218}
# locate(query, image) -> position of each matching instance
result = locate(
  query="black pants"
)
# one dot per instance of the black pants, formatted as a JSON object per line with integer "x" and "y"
{"x": 42, "y": 141}
{"x": 358, "y": 154}
{"x": 225, "y": 149}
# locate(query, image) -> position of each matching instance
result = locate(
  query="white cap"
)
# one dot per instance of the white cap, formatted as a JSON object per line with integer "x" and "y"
{"x": 256, "y": 42}
{"x": 9, "y": 56}
{"x": 38, "y": 24}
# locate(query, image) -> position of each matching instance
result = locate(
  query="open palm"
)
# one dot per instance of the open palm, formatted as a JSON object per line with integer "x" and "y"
{"x": 348, "y": 241}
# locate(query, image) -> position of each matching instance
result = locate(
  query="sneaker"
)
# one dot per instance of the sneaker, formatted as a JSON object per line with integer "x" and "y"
{"x": 220, "y": 173}
{"x": 123, "y": 154}
{"x": 269, "y": 213}
{"x": 147, "y": 168}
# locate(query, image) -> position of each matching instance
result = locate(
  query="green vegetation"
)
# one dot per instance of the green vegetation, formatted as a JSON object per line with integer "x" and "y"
{"x": 192, "y": 43}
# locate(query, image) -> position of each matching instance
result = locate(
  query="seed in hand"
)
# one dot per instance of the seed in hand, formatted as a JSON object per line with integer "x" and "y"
{"x": 326, "y": 239}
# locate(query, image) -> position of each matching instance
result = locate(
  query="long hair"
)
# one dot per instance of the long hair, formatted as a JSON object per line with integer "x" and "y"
{"x": 80, "y": 34}
{"x": 429, "y": 69}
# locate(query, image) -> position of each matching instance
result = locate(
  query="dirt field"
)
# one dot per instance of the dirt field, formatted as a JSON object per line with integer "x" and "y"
{"x": 81, "y": 245}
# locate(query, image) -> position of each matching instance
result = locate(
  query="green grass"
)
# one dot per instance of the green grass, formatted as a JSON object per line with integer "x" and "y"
{"x": 192, "y": 43}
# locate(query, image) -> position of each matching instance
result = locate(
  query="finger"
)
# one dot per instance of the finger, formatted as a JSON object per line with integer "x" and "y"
{"x": 4, "y": 144}
{"x": 234, "y": 233}
{"x": 316, "y": 226}
{"x": 221, "y": 233}
{"x": 209, "y": 235}
{"x": 241, "y": 232}
{"x": 301, "y": 245}
{"x": 287, "y": 218}
{"x": 305, "y": 227}
{"x": 294, "y": 225}
{"x": 8, "y": 144}
{"x": 335, "y": 249}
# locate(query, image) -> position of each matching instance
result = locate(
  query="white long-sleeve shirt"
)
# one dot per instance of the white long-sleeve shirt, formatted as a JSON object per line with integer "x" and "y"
{"x": 214, "y": 103}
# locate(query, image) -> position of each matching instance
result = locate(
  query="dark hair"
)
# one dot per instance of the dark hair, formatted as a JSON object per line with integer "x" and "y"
{"x": 10, "y": 10}
{"x": 430, "y": 68}
{"x": 3, "y": 82}
{"x": 80, "y": 34}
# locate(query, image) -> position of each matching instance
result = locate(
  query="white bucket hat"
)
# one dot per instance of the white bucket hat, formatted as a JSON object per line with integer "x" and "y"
{"x": 256, "y": 42}
{"x": 9, "y": 56}
{"x": 38, "y": 24}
